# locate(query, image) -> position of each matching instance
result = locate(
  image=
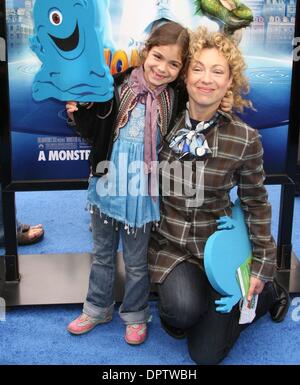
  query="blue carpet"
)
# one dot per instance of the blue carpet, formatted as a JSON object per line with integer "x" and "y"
{"x": 37, "y": 334}
{"x": 66, "y": 221}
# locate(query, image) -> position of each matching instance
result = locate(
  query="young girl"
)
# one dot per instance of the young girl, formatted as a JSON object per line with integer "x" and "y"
{"x": 127, "y": 131}
{"x": 120, "y": 201}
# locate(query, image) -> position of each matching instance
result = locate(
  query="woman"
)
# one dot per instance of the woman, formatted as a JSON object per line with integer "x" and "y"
{"x": 230, "y": 153}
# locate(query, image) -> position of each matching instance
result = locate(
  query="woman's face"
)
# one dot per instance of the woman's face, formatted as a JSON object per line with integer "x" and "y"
{"x": 162, "y": 65}
{"x": 208, "y": 79}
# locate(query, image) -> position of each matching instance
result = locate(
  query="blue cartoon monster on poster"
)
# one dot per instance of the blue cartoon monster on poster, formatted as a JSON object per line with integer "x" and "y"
{"x": 69, "y": 40}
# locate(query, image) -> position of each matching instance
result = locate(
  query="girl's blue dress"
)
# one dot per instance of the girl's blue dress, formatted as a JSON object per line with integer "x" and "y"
{"x": 122, "y": 194}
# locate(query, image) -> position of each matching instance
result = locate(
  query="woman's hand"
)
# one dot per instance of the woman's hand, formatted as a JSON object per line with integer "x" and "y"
{"x": 227, "y": 102}
{"x": 256, "y": 287}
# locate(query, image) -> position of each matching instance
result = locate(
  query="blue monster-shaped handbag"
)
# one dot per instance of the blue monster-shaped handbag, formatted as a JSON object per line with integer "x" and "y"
{"x": 69, "y": 39}
{"x": 225, "y": 252}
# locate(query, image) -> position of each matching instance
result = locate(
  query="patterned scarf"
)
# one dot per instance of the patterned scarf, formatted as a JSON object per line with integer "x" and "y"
{"x": 189, "y": 141}
{"x": 148, "y": 97}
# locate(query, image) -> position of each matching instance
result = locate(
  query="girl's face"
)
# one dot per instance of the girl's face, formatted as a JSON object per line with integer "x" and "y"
{"x": 208, "y": 78}
{"x": 162, "y": 65}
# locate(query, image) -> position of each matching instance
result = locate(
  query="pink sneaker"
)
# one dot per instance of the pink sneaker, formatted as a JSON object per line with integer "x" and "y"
{"x": 84, "y": 323}
{"x": 136, "y": 334}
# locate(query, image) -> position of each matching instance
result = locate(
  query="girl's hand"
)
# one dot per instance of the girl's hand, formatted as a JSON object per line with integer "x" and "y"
{"x": 256, "y": 287}
{"x": 71, "y": 107}
{"x": 227, "y": 102}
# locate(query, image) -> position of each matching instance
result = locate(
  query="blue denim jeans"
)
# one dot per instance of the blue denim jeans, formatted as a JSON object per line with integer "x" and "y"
{"x": 187, "y": 302}
{"x": 99, "y": 302}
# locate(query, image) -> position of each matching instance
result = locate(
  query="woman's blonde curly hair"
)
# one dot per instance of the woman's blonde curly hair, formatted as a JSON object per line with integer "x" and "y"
{"x": 201, "y": 39}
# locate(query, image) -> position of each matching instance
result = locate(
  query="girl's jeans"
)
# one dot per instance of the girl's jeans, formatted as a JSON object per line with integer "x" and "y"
{"x": 99, "y": 302}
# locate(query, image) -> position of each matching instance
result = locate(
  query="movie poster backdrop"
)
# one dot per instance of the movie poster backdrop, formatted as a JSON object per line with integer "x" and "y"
{"x": 44, "y": 147}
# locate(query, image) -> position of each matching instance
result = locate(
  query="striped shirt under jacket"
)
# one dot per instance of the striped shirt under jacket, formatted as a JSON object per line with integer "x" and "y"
{"x": 236, "y": 160}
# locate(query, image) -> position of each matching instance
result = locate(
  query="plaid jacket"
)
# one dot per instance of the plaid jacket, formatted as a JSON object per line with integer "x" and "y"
{"x": 236, "y": 160}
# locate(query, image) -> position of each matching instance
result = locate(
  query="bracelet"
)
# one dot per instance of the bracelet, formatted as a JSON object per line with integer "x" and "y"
{"x": 110, "y": 110}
